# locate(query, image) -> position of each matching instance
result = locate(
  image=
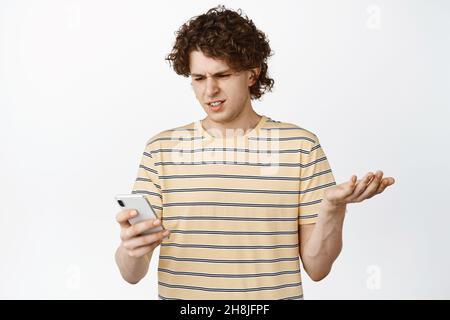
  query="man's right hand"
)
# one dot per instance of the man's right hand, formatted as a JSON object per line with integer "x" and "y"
{"x": 135, "y": 244}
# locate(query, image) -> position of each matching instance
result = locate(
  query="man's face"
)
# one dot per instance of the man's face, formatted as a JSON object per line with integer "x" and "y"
{"x": 213, "y": 80}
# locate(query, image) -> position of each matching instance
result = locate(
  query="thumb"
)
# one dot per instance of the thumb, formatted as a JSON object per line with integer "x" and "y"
{"x": 351, "y": 185}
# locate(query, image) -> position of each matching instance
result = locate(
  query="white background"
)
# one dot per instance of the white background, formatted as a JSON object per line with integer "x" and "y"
{"x": 84, "y": 84}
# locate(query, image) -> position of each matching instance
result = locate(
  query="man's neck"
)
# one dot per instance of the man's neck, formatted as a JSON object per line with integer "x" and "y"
{"x": 242, "y": 124}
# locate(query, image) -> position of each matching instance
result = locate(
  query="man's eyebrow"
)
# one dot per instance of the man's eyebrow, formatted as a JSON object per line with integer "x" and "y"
{"x": 215, "y": 74}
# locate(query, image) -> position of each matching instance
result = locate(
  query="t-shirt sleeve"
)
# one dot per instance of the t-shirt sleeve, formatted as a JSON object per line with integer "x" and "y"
{"x": 315, "y": 177}
{"x": 147, "y": 181}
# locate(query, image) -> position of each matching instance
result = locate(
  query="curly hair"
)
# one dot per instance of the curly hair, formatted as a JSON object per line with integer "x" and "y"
{"x": 224, "y": 34}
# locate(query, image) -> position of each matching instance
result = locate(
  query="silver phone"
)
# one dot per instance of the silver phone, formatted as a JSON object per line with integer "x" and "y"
{"x": 139, "y": 203}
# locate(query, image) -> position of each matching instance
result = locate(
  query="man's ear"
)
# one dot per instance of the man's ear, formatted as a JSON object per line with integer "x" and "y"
{"x": 254, "y": 74}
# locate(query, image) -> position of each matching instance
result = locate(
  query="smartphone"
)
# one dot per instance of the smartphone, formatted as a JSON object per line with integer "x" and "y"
{"x": 139, "y": 203}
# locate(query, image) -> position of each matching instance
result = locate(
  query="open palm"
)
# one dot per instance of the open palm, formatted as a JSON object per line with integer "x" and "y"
{"x": 358, "y": 190}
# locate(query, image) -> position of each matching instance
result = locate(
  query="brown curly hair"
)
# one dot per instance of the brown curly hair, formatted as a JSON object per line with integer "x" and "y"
{"x": 224, "y": 34}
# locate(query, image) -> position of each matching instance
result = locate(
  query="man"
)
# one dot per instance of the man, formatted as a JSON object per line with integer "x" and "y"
{"x": 241, "y": 195}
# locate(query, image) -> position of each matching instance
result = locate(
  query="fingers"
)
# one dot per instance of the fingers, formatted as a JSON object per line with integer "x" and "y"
{"x": 123, "y": 216}
{"x": 361, "y": 187}
{"x": 385, "y": 182}
{"x": 371, "y": 188}
{"x": 370, "y": 185}
{"x": 141, "y": 241}
{"x": 351, "y": 185}
{"x": 139, "y": 228}
{"x": 141, "y": 251}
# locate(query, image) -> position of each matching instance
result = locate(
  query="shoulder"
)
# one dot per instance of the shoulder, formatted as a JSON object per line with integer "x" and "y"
{"x": 288, "y": 130}
{"x": 176, "y": 134}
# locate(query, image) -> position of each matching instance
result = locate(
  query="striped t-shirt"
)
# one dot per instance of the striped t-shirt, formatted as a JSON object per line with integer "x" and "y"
{"x": 233, "y": 206}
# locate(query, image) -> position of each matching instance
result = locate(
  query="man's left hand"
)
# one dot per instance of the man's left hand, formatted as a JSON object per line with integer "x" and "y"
{"x": 357, "y": 190}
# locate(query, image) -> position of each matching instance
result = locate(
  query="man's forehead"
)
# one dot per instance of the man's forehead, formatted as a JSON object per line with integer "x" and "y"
{"x": 203, "y": 65}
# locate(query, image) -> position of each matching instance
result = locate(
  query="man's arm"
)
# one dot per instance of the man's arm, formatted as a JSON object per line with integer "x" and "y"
{"x": 132, "y": 269}
{"x": 135, "y": 251}
{"x": 321, "y": 243}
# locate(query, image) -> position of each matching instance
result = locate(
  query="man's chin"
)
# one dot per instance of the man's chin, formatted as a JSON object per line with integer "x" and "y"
{"x": 218, "y": 117}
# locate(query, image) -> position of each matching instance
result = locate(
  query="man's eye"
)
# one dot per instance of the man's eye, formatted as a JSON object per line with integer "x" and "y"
{"x": 198, "y": 79}
{"x": 224, "y": 75}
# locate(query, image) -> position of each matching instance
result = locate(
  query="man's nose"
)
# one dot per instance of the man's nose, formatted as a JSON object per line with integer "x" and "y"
{"x": 212, "y": 87}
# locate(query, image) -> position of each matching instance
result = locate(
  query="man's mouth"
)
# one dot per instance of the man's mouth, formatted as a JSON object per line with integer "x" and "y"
{"x": 216, "y": 104}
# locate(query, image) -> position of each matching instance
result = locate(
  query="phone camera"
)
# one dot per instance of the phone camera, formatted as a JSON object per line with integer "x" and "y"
{"x": 120, "y": 203}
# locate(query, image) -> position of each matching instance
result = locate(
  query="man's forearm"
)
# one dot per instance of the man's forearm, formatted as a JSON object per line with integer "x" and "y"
{"x": 325, "y": 242}
{"x": 132, "y": 269}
